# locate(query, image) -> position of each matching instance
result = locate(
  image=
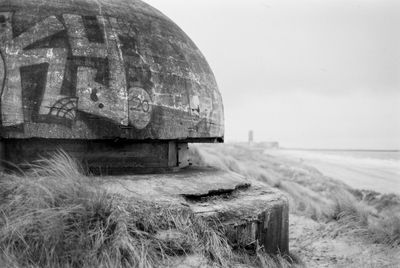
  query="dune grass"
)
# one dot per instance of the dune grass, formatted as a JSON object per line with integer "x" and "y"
{"x": 356, "y": 216}
{"x": 310, "y": 193}
{"x": 53, "y": 216}
{"x": 386, "y": 229}
{"x": 294, "y": 180}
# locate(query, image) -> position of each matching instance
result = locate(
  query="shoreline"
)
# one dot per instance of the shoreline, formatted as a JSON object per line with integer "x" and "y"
{"x": 340, "y": 150}
{"x": 362, "y": 173}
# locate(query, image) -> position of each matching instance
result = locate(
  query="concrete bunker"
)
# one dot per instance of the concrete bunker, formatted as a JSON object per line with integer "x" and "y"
{"x": 119, "y": 86}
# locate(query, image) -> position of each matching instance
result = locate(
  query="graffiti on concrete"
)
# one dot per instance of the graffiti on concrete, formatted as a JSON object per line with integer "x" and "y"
{"x": 65, "y": 108}
{"x": 94, "y": 82}
{"x": 16, "y": 57}
{"x": 139, "y": 107}
{"x": 113, "y": 100}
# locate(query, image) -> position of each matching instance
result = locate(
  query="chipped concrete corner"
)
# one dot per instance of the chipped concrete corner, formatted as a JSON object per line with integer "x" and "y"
{"x": 102, "y": 70}
{"x": 251, "y": 213}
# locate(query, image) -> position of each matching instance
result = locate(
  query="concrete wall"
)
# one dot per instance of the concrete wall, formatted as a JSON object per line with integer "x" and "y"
{"x": 102, "y": 70}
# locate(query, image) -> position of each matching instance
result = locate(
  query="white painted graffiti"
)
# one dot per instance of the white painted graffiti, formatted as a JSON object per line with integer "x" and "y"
{"x": 15, "y": 56}
{"x": 139, "y": 107}
{"x": 112, "y": 101}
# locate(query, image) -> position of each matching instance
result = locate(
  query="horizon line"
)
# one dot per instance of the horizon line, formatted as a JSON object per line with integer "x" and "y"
{"x": 341, "y": 149}
{"x": 320, "y": 149}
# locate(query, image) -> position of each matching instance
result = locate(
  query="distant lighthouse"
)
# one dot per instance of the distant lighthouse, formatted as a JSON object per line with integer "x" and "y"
{"x": 251, "y": 136}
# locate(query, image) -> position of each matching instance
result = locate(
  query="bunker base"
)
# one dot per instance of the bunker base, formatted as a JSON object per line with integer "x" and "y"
{"x": 250, "y": 212}
{"x": 101, "y": 157}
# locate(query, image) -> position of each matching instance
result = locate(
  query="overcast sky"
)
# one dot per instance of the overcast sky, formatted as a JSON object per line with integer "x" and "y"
{"x": 315, "y": 74}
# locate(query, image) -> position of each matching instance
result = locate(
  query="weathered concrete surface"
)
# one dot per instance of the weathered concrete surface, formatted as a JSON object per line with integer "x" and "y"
{"x": 249, "y": 211}
{"x": 106, "y": 157}
{"x": 256, "y": 214}
{"x": 173, "y": 187}
{"x": 102, "y": 69}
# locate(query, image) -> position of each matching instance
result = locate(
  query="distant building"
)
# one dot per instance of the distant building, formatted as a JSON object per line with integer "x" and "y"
{"x": 251, "y": 136}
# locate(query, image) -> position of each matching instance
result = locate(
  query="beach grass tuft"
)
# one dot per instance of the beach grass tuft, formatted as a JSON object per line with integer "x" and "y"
{"x": 53, "y": 216}
{"x": 310, "y": 193}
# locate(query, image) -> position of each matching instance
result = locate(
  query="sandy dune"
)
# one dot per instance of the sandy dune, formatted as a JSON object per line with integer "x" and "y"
{"x": 380, "y": 175}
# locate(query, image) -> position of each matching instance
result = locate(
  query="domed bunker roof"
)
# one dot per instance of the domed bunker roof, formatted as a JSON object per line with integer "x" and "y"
{"x": 102, "y": 69}
{"x": 84, "y": 74}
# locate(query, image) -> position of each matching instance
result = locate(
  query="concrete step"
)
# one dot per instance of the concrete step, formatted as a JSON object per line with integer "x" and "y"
{"x": 250, "y": 211}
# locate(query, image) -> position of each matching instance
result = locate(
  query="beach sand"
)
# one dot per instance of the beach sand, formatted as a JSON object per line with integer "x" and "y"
{"x": 360, "y": 172}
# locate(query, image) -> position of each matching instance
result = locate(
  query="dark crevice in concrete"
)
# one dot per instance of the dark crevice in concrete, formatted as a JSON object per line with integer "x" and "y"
{"x": 216, "y": 194}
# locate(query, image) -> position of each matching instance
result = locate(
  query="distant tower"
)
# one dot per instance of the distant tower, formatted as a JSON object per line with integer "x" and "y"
{"x": 251, "y": 136}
